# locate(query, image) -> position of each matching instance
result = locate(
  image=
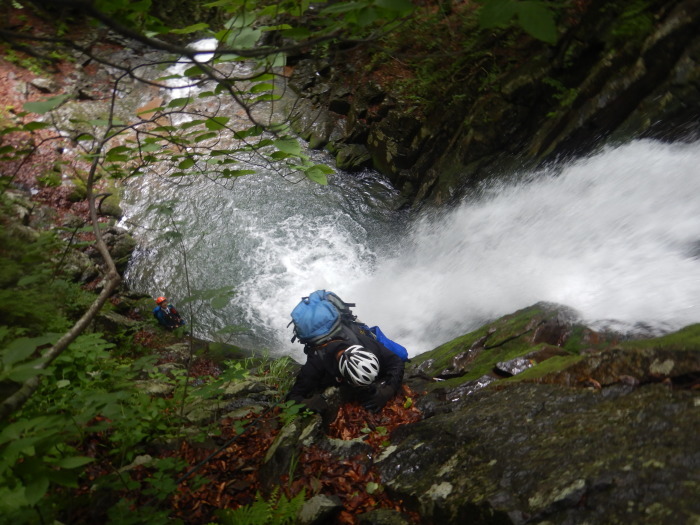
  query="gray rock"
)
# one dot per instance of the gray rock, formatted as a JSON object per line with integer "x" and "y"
{"x": 544, "y": 452}
{"x": 319, "y": 509}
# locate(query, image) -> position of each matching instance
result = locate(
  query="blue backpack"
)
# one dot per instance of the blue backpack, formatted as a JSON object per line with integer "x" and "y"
{"x": 323, "y": 316}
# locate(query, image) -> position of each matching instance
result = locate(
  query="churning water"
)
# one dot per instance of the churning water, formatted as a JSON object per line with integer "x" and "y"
{"x": 616, "y": 236}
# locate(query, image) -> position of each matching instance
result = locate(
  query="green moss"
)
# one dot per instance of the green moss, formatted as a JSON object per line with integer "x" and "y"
{"x": 576, "y": 340}
{"x": 503, "y": 329}
{"x": 511, "y": 337}
{"x": 687, "y": 338}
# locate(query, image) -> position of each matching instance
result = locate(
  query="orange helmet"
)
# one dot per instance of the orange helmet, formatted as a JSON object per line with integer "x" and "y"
{"x": 160, "y": 300}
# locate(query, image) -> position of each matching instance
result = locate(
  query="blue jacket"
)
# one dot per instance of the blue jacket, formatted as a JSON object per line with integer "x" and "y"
{"x": 168, "y": 317}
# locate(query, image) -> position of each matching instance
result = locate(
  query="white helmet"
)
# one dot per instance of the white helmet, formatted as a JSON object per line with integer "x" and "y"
{"x": 359, "y": 366}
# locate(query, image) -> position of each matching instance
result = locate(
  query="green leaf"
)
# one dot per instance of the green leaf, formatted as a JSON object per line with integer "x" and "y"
{"x": 496, "y": 13}
{"x": 190, "y": 29}
{"x": 367, "y": 16}
{"x": 296, "y": 33}
{"x": 205, "y": 136}
{"x": 193, "y": 71}
{"x": 538, "y": 21}
{"x": 74, "y": 462}
{"x": 280, "y": 155}
{"x": 260, "y": 88}
{"x": 289, "y": 146}
{"x": 245, "y": 38}
{"x": 217, "y": 303}
{"x": 36, "y": 489}
{"x": 151, "y": 147}
{"x": 267, "y": 98}
{"x": 216, "y": 123}
{"x": 187, "y": 163}
{"x": 44, "y": 106}
{"x": 179, "y": 102}
{"x": 65, "y": 478}
{"x": 20, "y": 349}
{"x": 29, "y": 279}
{"x": 263, "y": 77}
{"x": 400, "y": 6}
{"x": 116, "y": 154}
{"x": 33, "y": 126}
{"x": 318, "y": 172}
{"x": 191, "y": 124}
{"x": 26, "y": 371}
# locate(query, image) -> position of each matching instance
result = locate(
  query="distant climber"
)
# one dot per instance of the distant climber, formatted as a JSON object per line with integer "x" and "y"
{"x": 341, "y": 352}
{"x": 167, "y": 315}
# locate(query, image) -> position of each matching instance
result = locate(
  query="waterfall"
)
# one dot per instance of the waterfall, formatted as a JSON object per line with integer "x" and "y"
{"x": 616, "y": 236}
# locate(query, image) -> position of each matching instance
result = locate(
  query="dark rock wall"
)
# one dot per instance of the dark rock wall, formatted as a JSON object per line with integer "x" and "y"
{"x": 619, "y": 71}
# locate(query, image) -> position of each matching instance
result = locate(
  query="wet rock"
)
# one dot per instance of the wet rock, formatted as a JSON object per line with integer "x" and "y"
{"x": 239, "y": 388}
{"x": 547, "y": 453}
{"x": 320, "y": 509}
{"x": 352, "y": 157}
{"x": 632, "y": 365}
{"x": 383, "y": 517}
{"x": 45, "y": 85}
{"x": 112, "y": 322}
{"x": 460, "y": 362}
{"x": 468, "y": 388}
{"x": 77, "y": 266}
{"x": 154, "y": 387}
{"x": 120, "y": 245}
{"x": 514, "y": 366}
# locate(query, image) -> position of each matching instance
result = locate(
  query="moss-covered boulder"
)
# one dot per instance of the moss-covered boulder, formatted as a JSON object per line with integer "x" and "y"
{"x": 535, "y": 418}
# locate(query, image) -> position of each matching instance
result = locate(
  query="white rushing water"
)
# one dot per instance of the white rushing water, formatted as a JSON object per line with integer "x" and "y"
{"x": 615, "y": 236}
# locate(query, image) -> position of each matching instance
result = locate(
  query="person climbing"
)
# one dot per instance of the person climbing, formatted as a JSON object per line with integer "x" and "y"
{"x": 167, "y": 315}
{"x": 348, "y": 356}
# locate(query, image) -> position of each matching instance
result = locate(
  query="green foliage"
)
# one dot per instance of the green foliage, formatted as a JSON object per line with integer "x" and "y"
{"x": 28, "y": 63}
{"x": 30, "y": 295}
{"x": 85, "y": 393}
{"x": 51, "y": 179}
{"x": 565, "y": 96}
{"x": 277, "y": 510}
{"x": 44, "y": 106}
{"x": 536, "y": 18}
{"x": 290, "y": 411}
{"x": 634, "y": 23}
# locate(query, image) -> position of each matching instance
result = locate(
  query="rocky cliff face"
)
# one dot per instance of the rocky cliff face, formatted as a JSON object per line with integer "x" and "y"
{"x": 617, "y": 72}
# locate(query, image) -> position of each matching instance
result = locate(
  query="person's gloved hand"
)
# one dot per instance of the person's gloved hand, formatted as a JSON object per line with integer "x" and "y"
{"x": 316, "y": 403}
{"x": 376, "y": 401}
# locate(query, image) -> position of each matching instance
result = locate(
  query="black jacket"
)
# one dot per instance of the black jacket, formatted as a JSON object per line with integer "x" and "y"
{"x": 321, "y": 368}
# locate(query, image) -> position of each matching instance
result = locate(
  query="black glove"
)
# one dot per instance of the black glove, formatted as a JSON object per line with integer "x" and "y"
{"x": 316, "y": 404}
{"x": 376, "y": 401}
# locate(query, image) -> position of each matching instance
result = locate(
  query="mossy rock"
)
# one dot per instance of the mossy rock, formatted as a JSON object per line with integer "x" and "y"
{"x": 537, "y": 332}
